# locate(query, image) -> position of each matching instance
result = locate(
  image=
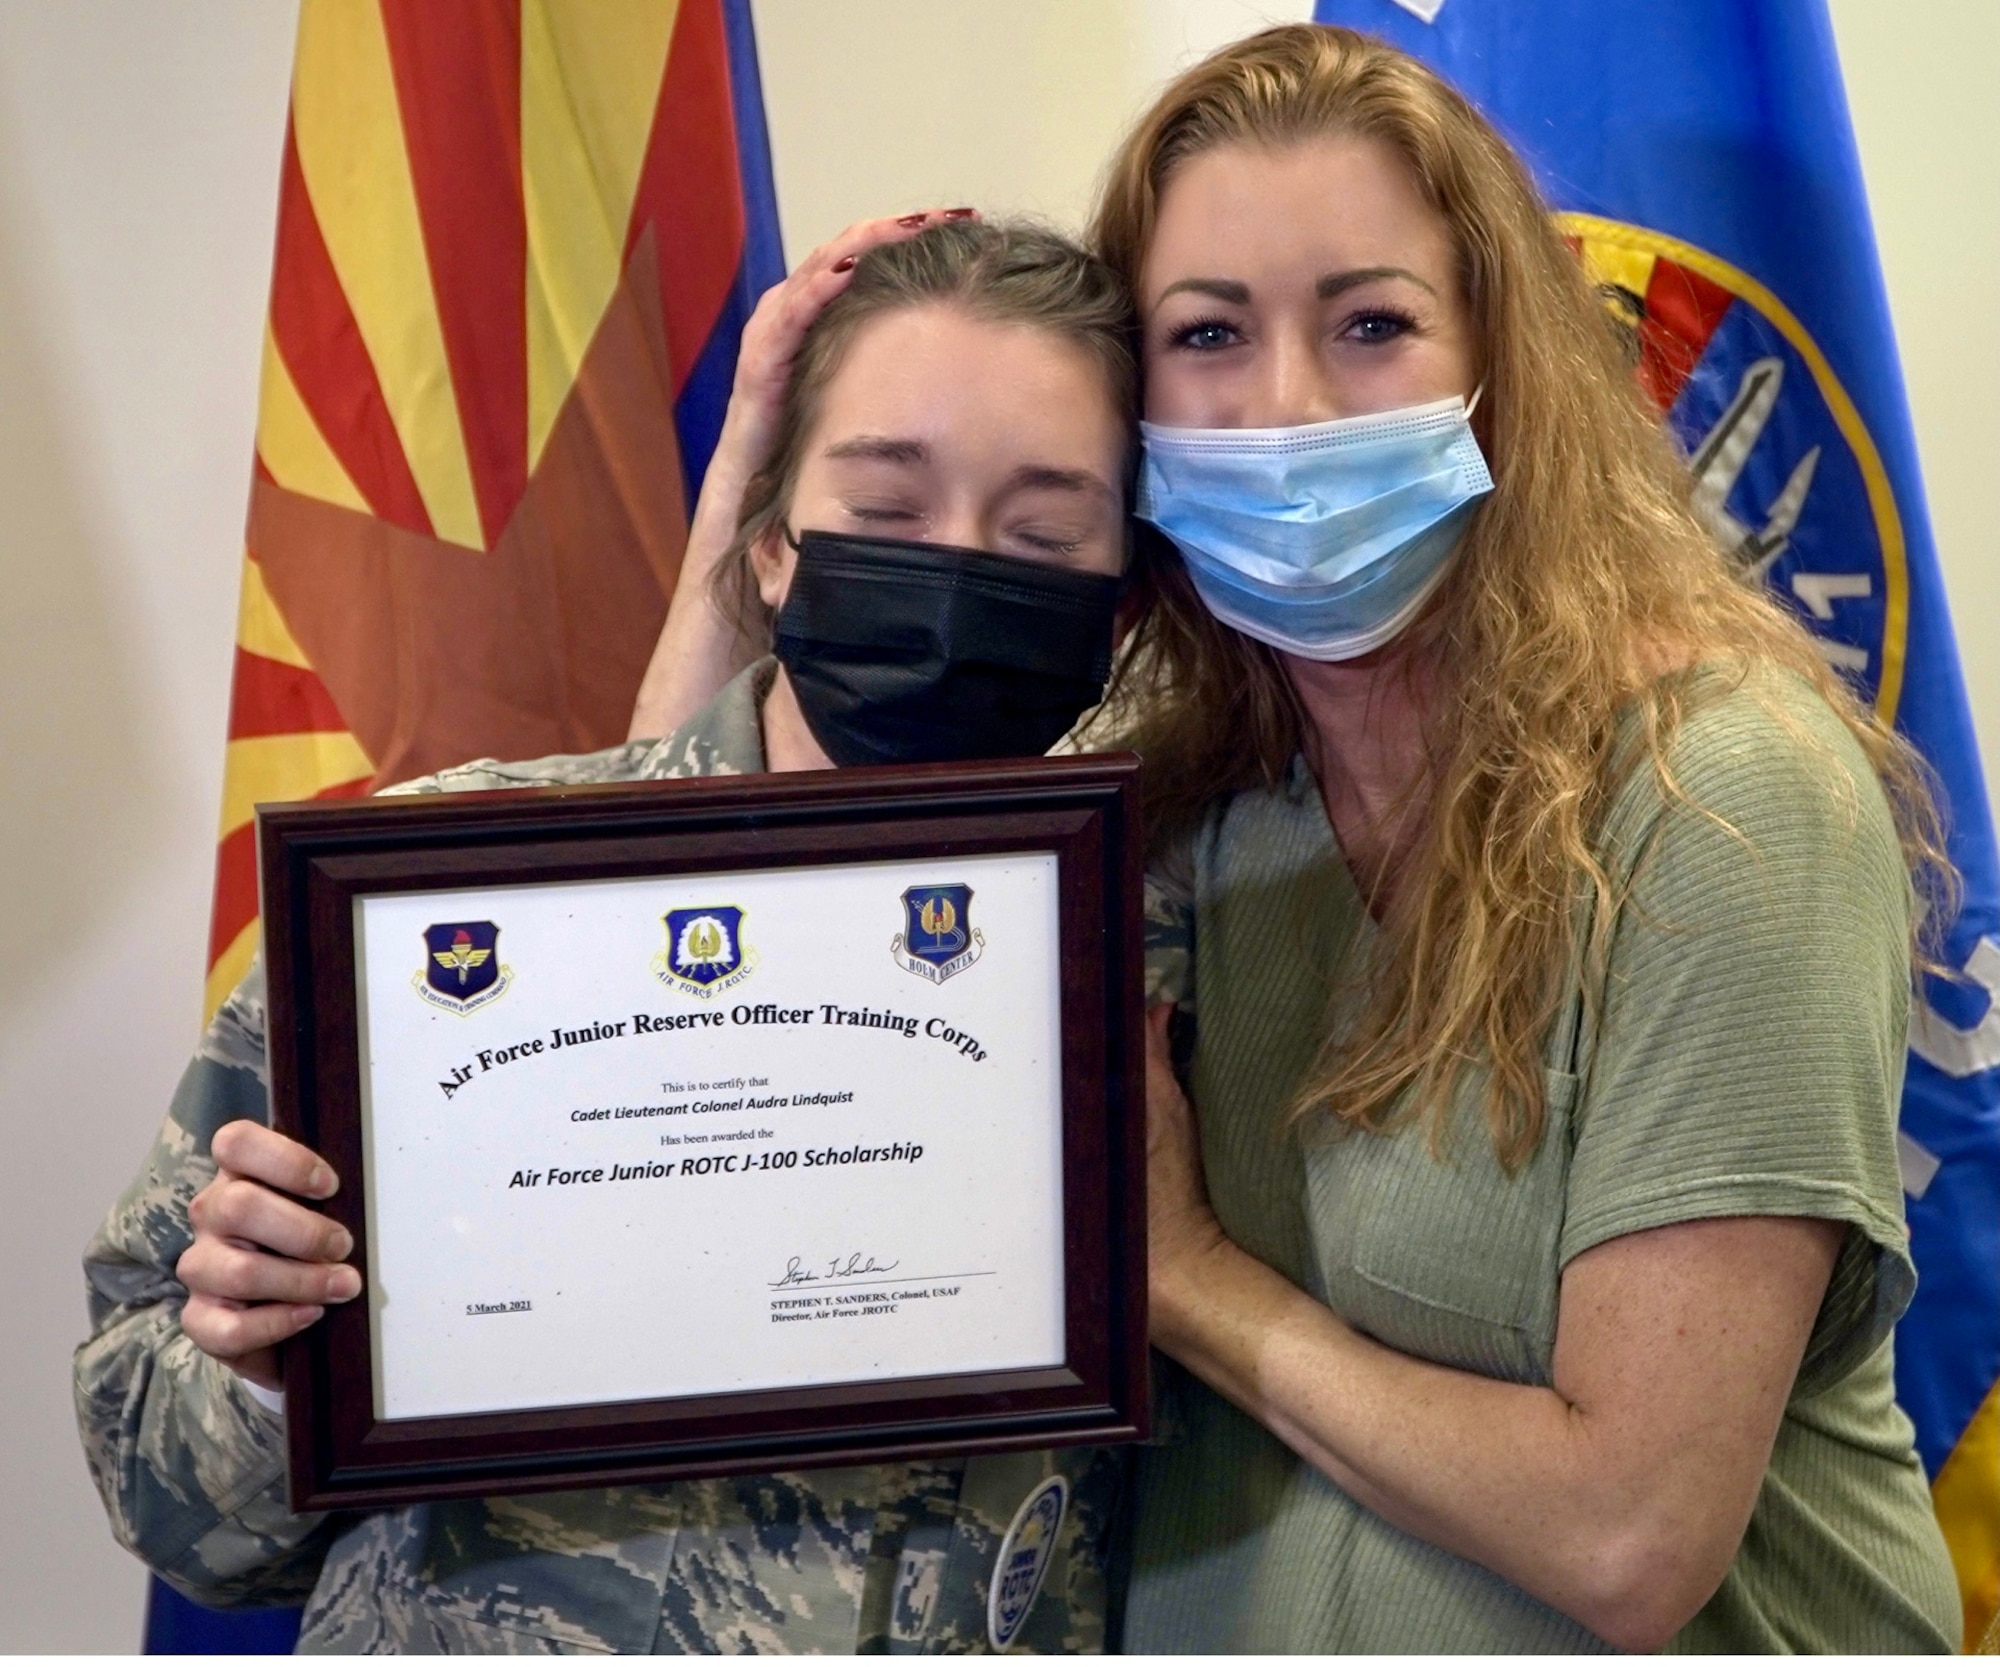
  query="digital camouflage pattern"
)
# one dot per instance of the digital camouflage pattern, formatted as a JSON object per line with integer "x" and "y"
{"x": 884, "y": 1559}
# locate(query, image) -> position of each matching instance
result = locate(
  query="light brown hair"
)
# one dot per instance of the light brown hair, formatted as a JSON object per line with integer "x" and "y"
{"x": 1584, "y": 588}
{"x": 1010, "y": 272}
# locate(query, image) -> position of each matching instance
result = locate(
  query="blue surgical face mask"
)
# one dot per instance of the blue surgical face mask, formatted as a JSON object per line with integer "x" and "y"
{"x": 1323, "y": 541}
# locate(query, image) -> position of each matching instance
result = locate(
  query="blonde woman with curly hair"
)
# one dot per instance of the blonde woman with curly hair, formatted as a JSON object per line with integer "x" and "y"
{"x": 1532, "y": 937}
{"x": 1534, "y": 913}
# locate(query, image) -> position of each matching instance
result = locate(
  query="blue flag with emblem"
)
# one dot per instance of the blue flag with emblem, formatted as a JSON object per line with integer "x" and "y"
{"x": 1701, "y": 161}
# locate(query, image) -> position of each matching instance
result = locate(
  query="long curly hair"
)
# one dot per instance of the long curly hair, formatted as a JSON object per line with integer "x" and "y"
{"x": 1585, "y": 588}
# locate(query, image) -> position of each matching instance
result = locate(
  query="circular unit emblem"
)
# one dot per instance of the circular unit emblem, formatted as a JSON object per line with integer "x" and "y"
{"x": 1786, "y": 475}
{"x": 1022, "y": 1561}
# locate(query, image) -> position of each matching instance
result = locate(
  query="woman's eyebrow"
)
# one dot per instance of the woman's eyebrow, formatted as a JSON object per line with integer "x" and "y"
{"x": 880, "y": 449}
{"x": 1237, "y": 293}
{"x": 1045, "y": 477}
{"x": 1232, "y": 290}
{"x": 1338, "y": 283}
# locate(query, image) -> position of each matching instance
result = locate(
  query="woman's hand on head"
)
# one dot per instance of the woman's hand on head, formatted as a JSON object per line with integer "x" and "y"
{"x": 777, "y": 329}
{"x": 699, "y": 649}
{"x": 262, "y": 1266}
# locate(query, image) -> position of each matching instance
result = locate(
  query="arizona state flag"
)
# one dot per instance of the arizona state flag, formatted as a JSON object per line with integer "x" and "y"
{"x": 517, "y": 242}
{"x": 1703, "y": 159}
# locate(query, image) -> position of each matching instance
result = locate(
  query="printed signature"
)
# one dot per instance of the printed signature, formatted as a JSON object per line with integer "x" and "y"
{"x": 853, "y": 1266}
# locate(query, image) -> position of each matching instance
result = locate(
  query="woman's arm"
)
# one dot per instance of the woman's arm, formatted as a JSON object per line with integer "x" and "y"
{"x": 1620, "y": 1494}
{"x": 700, "y": 649}
{"x": 191, "y": 1469}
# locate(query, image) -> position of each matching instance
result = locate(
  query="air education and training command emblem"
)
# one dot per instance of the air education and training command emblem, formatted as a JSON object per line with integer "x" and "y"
{"x": 1023, "y": 1560}
{"x": 705, "y": 951}
{"x": 462, "y": 971}
{"x": 938, "y": 938}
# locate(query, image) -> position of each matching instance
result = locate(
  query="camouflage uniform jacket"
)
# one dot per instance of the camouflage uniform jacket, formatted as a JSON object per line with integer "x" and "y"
{"x": 889, "y": 1558}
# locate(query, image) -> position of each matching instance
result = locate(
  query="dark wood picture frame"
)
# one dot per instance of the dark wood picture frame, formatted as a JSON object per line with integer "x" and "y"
{"x": 316, "y": 858}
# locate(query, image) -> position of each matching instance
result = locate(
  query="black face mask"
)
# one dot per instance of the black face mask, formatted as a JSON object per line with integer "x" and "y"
{"x": 904, "y": 653}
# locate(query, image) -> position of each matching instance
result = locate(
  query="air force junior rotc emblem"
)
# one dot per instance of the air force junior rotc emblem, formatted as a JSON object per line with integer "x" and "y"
{"x": 1023, "y": 1560}
{"x": 705, "y": 951}
{"x": 938, "y": 938}
{"x": 462, "y": 971}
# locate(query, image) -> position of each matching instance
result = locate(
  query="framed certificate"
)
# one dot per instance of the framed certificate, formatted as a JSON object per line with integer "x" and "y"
{"x": 702, "y": 1126}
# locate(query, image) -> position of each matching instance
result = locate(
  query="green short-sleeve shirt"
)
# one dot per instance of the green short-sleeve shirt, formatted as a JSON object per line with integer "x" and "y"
{"x": 1743, "y": 1056}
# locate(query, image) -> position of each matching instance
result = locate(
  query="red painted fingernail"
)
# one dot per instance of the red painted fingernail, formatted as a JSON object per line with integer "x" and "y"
{"x": 844, "y": 264}
{"x": 911, "y": 220}
{"x": 960, "y": 213}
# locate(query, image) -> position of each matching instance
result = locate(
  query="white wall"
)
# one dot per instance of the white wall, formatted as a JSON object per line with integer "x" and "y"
{"x": 882, "y": 105}
{"x": 1924, "y": 87}
{"x": 138, "y": 160}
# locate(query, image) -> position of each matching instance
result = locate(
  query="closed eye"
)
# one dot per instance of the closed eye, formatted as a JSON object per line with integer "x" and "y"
{"x": 882, "y": 514}
{"x": 1054, "y": 544}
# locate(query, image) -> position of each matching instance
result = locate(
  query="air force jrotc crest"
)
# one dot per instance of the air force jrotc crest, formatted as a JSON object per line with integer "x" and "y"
{"x": 462, "y": 971}
{"x": 938, "y": 938}
{"x": 705, "y": 951}
{"x": 1023, "y": 1560}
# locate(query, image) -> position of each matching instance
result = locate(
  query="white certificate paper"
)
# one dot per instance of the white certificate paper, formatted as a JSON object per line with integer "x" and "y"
{"x": 644, "y": 1138}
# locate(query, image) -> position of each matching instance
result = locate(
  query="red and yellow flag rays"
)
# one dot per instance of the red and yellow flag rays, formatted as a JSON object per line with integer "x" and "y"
{"x": 506, "y": 232}
{"x": 1674, "y": 309}
{"x": 463, "y": 138}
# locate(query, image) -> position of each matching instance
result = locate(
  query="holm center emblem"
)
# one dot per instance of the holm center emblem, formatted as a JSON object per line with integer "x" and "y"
{"x": 705, "y": 951}
{"x": 462, "y": 971}
{"x": 938, "y": 938}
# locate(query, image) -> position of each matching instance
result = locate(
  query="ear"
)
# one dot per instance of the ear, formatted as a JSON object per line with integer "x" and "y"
{"x": 772, "y": 560}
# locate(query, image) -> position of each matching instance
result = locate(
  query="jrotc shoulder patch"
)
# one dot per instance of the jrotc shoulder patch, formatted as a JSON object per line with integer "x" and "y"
{"x": 1023, "y": 1560}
